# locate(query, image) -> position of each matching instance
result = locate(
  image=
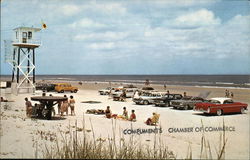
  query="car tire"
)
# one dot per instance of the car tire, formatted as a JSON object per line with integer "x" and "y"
{"x": 145, "y": 102}
{"x": 75, "y": 91}
{"x": 219, "y": 112}
{"x": 242, "y": 110}
{"x": 62, "y": 91}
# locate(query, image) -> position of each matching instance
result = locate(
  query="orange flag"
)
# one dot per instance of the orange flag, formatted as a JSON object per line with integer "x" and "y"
{"x": 44, "y": 26}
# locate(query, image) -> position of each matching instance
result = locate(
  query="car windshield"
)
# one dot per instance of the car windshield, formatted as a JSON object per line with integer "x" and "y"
{"x": 214, "y": 101}
{"x": 186, "y": 98}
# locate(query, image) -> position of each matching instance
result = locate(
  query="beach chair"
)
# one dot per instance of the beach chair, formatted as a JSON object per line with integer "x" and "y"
{"x": 155, "y": 120}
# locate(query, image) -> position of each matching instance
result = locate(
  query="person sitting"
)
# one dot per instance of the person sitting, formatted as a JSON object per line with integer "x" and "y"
{"x": 108, "y": 112}
{"x": 153, "y": 120}
{"x": 3, "y": 100}
{"x": 132, "y": 116}
{"x": 124, "y": 115}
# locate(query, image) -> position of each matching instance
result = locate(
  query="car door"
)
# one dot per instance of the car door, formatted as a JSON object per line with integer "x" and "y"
{"x": 229, "y": 107}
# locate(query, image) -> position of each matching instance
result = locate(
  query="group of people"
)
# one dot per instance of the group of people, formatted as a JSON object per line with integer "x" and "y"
{"x": 40, "y": 109}
{"x": 150, "y": 121}
{"x": 229, "y": 94}
{"x": 64, "y": 106}
{"x": 124, "y": 116}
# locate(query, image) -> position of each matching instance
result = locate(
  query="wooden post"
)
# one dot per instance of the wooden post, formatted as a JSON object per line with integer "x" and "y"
{"x": 34, "y": 80}
{"x": 14, "y": 65}
{"x": 18, "y": 63}
{"x": 28, "y": 68}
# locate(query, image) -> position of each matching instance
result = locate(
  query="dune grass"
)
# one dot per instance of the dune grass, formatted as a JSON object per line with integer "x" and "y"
{"x": 116, "y": 147}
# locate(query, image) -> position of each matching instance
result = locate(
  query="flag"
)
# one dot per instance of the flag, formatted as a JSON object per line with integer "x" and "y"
{"x": 44, "y": 26}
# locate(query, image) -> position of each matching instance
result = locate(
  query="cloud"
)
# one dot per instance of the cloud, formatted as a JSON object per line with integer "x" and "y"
{"x": 69, "y": 10}
{"x": 198, "y": 18}
{"x": 102, "y": 45}
{"x": 103, "y": 36}
{"x": 86, "y": 23}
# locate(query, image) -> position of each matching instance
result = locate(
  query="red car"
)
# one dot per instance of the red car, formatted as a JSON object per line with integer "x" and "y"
{"x": 220, "y": 106}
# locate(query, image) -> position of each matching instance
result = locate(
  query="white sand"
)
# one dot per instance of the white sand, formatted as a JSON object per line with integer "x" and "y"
{"x": 19, "y": 134}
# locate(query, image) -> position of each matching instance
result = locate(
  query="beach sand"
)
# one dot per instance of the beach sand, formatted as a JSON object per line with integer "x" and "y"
{"x": 21, "y": 137}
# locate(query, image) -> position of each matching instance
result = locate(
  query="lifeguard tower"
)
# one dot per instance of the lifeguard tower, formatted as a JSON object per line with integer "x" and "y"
{"x": 20, "y": 54}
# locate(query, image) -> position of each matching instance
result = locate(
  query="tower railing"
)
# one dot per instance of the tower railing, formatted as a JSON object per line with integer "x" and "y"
{"x": 28, "y": 41}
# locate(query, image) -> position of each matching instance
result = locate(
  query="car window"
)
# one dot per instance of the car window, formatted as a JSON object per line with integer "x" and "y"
{"x": 214, "y": 101}
{"x": 228, "y": 101}
{"x": 178, "y": 96}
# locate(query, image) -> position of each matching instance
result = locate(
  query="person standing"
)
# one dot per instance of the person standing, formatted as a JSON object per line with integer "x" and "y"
{"x": 226, "y": 93}
{"x": 64, "y": 106}
{"x": 72, "y": 105}
{"x": 232, "y": 95}
{"x": 165, "y": 87}
{"x": 185, "y": 94}
{"x": 28, "y": 107}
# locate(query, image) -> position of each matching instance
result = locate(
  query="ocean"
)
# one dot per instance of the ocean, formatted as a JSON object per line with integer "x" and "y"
{"x": 239, "y": 81}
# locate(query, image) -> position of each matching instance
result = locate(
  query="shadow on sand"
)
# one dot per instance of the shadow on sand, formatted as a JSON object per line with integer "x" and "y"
{"x": 52, "y": 118}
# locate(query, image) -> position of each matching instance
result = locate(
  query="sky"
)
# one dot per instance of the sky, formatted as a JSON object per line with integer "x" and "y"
{"x": 134, "y": 36}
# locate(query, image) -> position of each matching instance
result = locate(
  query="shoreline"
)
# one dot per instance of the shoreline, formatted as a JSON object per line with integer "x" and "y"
{"x": 160, "y": 80}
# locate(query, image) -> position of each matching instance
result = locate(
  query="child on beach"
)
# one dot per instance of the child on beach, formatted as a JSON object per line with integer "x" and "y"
{"x": 72, "y": 105}
{"x": 132, "y": 116}
{"x": 124, "y": 115}
{"x": 108, "y": 112}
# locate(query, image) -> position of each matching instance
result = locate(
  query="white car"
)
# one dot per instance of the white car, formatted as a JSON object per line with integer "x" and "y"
{"x": 148, "y": 98}
{"x": 105, "y": 91}
{"x": 129, "y": 92}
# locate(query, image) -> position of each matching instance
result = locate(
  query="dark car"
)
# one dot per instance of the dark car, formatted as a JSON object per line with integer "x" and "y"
{"x": 186, "y": 103}
{"x": 45, "y": 87}
{"x": 165, "y": 100}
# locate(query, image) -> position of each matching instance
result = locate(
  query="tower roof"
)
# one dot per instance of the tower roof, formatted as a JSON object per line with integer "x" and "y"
{"x": 30, "y": 28}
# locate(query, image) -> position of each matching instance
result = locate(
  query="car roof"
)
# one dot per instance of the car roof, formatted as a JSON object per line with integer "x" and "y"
{"x": 61, "y": 83}
{"x": 221, "y": 99}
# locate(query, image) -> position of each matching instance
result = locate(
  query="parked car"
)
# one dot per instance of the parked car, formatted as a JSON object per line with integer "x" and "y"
{"x": 105, "y": 91}
{"x": 147, "y": 89}
{"x": 148, "y": 98}
{"x": 45, "y": 87}
{"x": 128, "y": 91}
{"x": 186, "y": 103}
{"x": 165, "y": 100}
{"x": 62, "y": 87}
{"x": 221, "y": 106}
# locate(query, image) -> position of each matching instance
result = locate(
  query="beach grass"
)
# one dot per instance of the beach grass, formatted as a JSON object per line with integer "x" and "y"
{"x": 116, "y": 147}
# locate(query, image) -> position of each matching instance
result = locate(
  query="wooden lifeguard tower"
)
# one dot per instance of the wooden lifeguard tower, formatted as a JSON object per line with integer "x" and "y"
{"x": 20, "y": 54}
